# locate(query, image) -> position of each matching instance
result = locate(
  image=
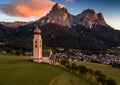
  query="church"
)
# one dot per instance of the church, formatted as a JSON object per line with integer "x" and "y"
{"x": 39, "y": 55}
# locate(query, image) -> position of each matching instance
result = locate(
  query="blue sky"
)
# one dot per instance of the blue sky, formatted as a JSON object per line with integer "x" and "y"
{"x": 109, "y": 8}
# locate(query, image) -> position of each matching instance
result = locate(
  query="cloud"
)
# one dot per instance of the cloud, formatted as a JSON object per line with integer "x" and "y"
{"x": 69, "y": 1}
{"x": 27, "y": 8}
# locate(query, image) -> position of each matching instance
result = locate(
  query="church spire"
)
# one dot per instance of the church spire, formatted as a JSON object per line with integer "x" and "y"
{"x": 37, "y": 30}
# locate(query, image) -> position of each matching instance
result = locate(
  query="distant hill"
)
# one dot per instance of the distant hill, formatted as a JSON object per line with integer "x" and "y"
{"x": 14, "y": 24}
{"x": 87, "y": 30}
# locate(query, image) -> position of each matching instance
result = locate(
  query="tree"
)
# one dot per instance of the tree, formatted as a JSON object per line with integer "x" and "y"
{"x": 115, "y": 64}
{"x": 110, "y": 81}
{"x": 97, "y": 73}
{"x": 19, "y": 52}
{"x": 64, "y": 62}
{"x": 102, "y": 78}
{"x": 82, "y": 70}
{"x": 74, "y": 67}
{"x": 90, "y": 71}
{"x": 68, "y": 66}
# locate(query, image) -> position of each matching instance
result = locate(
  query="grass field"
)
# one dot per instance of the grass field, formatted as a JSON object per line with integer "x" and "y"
{"x": 106, "y": 69}
{"x": 19, "y": 70}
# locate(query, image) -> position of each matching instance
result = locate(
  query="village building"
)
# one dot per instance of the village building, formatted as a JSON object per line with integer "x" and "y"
{"x": 40, "y": 55}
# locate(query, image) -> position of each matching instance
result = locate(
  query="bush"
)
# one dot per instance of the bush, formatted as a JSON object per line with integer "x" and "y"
{"x": 110, "y": 81}
{"x": 64, "y": 62}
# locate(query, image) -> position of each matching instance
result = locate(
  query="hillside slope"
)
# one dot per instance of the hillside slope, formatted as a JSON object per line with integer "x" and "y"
{"x": 105, "y": 69}
{"x": 19, "y": 70}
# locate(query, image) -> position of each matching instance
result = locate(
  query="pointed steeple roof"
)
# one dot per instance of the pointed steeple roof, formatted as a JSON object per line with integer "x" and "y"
{"x": 37, "y": 30}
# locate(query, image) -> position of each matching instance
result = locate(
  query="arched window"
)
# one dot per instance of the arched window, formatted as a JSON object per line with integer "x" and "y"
{"x": 36, "y": 46}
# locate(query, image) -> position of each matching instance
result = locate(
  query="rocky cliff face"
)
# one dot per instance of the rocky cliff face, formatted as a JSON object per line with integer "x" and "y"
{"x": 89, "y": 18}
{"x": 59, "y": 15}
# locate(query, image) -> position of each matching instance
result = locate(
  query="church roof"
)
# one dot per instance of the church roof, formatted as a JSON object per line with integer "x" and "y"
{"x": 46, "y": 53}
{"x": 54, "y": 57}
{"x": 37, "y": 30}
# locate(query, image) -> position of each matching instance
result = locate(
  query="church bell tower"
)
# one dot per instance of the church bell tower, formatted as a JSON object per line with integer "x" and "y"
{"x": 37, "y": 46}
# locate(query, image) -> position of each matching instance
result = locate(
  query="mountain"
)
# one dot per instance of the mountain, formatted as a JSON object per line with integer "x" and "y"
{"x": 4, "y": 32}
{"x": 89, "y": 18}
{"x": 59, "y": 15}
{"x": 13, "y": 24}
{"x": 87, "y": 31}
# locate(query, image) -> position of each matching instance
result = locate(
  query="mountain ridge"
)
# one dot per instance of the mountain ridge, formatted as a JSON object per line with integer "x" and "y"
{"x": 60, "y": 15}
{"x": 14, "y": 24}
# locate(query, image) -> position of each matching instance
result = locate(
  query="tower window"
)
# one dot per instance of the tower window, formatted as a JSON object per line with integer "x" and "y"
{"x": 36, "y": 46}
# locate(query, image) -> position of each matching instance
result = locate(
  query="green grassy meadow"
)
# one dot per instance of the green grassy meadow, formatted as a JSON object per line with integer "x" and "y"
{"x": 105, "y": 69}
{"x": 20, "y": 70}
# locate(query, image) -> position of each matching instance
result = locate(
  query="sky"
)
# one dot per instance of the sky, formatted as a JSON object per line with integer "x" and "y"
{"x": 31, "y": 10}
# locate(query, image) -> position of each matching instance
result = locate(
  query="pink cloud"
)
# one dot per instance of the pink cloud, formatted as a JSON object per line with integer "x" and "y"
{"x": 27, "y": 8}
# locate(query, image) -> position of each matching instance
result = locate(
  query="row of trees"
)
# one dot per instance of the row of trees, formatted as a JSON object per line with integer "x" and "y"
{"x": 115, "y": 65}
{"x": 84, "y": 72}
